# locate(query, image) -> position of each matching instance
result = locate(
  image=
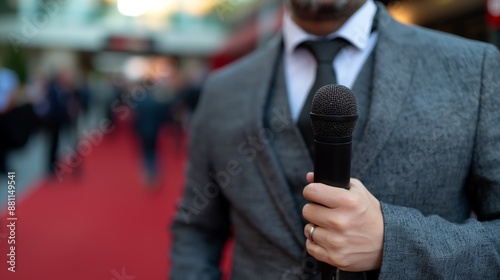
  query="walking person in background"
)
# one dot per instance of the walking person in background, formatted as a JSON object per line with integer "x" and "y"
{"x": 159, "y": 86}
{"x": 64, "y": 106}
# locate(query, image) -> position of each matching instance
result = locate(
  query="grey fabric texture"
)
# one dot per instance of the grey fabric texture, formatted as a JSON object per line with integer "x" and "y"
{"x": 287, "y": 145}
{"x": 362, "y": 90}
{"x": 430, "y": 152}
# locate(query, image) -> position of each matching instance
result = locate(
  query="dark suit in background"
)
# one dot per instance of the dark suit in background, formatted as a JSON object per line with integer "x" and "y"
{"x": 17, "y": 121}
{"x": 66, "y": 101}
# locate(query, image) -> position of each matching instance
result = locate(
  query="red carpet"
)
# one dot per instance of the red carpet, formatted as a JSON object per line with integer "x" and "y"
{"x": 104, "y": 224}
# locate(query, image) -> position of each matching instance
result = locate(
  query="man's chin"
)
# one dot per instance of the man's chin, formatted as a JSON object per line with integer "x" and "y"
{"x": 319, "y": 10}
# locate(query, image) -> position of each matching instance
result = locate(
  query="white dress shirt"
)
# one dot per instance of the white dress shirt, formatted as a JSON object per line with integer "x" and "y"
{"x": 300, "y": 65}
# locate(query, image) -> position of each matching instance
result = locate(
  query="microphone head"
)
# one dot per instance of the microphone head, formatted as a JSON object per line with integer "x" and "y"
{"x": 336, "y": 107}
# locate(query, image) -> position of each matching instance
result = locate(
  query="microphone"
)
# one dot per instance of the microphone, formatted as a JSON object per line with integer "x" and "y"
{"x": 333, "y": 118}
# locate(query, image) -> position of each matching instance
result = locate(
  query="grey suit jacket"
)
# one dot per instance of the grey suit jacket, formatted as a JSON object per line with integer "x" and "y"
{"x": 430, "y": 153}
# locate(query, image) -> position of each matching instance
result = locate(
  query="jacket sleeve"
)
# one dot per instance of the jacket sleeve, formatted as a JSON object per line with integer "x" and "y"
{"x": 201, "y": 226}
{"x": 429, "y": 247}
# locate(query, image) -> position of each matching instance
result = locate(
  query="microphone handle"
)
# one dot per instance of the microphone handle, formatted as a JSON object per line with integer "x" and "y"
{"x": 332, "y": 166}
{"x": 332, "y": 163}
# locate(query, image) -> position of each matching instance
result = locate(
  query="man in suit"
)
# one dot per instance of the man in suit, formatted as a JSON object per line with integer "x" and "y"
{"x": 426, "y": 153}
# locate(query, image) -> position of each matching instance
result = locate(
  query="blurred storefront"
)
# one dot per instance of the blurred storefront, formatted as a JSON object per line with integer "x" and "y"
{"x": 108, "y": 44}
{"x": 466, "y": 18}
{"x": 222, "y": 30}
{"x": 86, "y": 27}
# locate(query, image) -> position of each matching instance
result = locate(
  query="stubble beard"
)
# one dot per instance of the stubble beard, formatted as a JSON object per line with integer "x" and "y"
{"x": 321, "y": 10}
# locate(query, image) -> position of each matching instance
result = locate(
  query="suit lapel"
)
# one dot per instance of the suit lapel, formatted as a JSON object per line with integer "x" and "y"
{"x": 262, "y": 73}
{"x": 393, "y": 71}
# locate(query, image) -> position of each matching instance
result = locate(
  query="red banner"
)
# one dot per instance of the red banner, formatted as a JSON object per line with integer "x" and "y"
{"x": 493, "y": 12}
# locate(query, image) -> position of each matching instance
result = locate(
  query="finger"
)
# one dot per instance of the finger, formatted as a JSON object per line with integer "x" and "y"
{"x": 361, "y": 192}
{"x": 328, "y": 196}
{"x": 307, "y": 230}
{"x": 324, "y": 237}
{"x": 310, "y": 177}
{"x": 319, "y": 215}
{"x": 316, "y": 251}
{"x": 355, "y": 184}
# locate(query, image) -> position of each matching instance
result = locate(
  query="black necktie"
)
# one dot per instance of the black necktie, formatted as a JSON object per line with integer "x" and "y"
{"x": 324, "y": 52}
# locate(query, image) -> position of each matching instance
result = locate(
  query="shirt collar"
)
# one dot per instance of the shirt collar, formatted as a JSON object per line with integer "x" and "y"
{"x": 356, "y": 29}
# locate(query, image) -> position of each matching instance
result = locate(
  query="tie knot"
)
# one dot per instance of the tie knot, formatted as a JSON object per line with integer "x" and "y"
{"x": 324, "y": 51}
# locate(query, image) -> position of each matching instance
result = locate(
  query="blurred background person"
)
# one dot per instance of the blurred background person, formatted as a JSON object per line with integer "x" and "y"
{"x": 9, "y": 84}
{"x": 65, "y": 100}
{"x": 17, "y": 118}
{"x": 159, "y": 86}
{"x": 194, "y": 74}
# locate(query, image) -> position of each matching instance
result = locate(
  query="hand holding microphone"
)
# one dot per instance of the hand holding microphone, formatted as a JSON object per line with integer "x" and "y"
{"x": 349, "y": 228}
{"x": 347, "y": 218}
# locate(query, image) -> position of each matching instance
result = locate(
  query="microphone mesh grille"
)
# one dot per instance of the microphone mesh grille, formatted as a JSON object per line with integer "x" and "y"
{"x": 334, "y": 100}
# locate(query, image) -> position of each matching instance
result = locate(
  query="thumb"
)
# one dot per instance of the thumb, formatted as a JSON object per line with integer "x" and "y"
{"x": 310, "y": 177}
